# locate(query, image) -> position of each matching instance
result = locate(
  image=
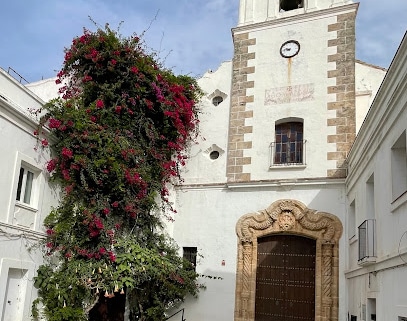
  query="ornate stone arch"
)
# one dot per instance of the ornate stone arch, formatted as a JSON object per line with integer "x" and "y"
{"x": 290, "y": 217}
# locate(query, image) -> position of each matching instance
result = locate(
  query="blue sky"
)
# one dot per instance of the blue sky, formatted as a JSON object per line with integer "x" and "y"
{"x": 191, "y": 35}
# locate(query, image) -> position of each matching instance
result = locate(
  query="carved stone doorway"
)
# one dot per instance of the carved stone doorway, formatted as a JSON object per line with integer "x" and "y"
{"x": 289, "y": 217}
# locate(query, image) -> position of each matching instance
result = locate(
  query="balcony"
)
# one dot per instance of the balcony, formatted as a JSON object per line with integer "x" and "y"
{"x": 367, "y": 242}
{"x": 290, "y": 153}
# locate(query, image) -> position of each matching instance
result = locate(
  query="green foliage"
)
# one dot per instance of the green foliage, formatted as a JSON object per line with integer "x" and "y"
{"x": 119, "y": 136}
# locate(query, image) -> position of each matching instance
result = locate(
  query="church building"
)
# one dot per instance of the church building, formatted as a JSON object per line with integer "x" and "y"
{"x": 266, "y": 204}
{"x": 293, "y": 205}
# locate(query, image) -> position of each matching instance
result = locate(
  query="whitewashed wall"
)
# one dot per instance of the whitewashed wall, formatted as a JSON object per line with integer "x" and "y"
{"x": 367, "y": 82}
{"x": 206, "y": 219}
{"x": 208, "y": 208}
{"x": 20, "y": 224}
{"x": 383, "y": 281}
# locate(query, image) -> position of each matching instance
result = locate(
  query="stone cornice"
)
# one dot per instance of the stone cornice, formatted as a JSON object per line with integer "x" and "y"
{"x": 286, "y": 183}
{"x": 21, "y": 231}
{"x": 307, "y": 16}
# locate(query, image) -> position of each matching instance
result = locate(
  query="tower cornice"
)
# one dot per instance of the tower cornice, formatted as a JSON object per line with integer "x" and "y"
{"x": 297, "y": 18}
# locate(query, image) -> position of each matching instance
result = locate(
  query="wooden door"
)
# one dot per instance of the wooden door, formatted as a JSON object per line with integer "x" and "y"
{"x": 285, "y": 278}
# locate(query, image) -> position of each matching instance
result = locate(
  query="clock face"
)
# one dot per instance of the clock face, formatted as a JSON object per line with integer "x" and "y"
{"x": 289, "y": 48}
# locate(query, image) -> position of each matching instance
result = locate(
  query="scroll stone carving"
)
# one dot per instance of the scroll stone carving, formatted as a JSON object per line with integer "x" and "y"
{"x": 294, "y": 217}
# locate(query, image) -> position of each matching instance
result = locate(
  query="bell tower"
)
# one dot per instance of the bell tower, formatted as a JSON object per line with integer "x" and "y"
{"x": 292, "y": 112}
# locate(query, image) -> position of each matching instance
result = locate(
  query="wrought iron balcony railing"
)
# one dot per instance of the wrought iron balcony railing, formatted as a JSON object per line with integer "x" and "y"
{"x": 287, "y": 153}
{"x": 367, "y": 241}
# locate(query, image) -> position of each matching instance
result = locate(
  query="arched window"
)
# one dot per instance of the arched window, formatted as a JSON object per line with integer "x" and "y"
{"x": 289, "y": 143}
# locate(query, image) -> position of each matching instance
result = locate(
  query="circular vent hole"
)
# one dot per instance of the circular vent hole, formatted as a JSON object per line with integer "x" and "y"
{"x": 214, "y": 154}
{"x": 217, "y": 100}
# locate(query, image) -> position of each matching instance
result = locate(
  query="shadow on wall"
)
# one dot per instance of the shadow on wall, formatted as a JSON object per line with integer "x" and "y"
{"x": 204, "y": 307}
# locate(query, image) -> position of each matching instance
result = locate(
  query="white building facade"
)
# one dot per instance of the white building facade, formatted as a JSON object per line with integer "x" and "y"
{"x": 377, "y": 204}
{"x": 25, "y": 200}
{"x": 278, "y": 123}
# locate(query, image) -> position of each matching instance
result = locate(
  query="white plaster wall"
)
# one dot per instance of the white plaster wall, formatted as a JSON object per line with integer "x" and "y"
{"x": 367, "y": 82}
{"x": 214, "y": 122}
{"x": 273, "y": 71}
{"x": 20, "y": 226}
{"x": 46, "y": 89}
{"x": 386, "y": 121}
{"x": 207, "y": 217}
{"x": 10, "y": 90}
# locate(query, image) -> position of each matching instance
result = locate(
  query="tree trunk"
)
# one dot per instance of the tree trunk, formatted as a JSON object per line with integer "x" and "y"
{"x": 108, "y": 308}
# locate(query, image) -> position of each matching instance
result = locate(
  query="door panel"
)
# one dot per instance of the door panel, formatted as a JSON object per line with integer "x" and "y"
{"x": 285, "y": 278}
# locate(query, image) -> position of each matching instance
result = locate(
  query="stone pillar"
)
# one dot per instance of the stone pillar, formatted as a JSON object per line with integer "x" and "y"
{"x": 327, "y": 251}
{"x": 344, "y": 91}
{"x": 238, "y": 113}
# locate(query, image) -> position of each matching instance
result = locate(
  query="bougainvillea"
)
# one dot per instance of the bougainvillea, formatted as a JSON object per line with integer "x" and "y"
{"x": 119, "y": 134}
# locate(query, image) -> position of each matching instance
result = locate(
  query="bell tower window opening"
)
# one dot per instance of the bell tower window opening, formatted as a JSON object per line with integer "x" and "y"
{"x": 287, "y": 5}
{"x": 289, "y": 144}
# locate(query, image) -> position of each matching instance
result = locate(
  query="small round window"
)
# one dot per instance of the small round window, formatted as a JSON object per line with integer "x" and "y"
{"x": 214, "y": 154}
{"x": 217, "y": 100}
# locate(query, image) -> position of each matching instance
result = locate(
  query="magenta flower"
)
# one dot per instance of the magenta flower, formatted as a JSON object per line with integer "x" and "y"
{"x": 100, "y": 103}
{"x": 66, "y": 152}
{"x": 51, "y": 165}
{"x": 54, "y": 123}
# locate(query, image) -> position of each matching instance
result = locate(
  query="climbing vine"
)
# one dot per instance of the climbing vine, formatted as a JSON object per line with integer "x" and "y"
{"x": 119, "y": 134}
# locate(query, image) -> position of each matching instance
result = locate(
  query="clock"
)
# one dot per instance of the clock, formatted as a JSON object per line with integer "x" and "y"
{"x": 290, "y": 48}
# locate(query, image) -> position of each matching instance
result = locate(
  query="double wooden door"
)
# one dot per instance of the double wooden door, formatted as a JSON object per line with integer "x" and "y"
{"x": 285, "y": 278}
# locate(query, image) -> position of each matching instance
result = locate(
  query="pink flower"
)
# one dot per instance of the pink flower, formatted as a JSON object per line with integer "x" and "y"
{"x": 132, "y": 177}
{"x": 51, "y": 165}
{"x": 69, "y": 189}
{"x": 83, "y": 38}
{"x": 68, "y": 55}
{"x": 106, "y": 211}
{"x": 118, "y": 109}
{"x": 98, "y": 223}
{"x": 94, "y": 53}
{"x": 112, "y": 257}
{"x": 54, "y": 123}
{"x": 113, "y": 62}
{"x": 134, "y": 70}
{"x": 115, "y": 204}
{"x": 93, "y": 119}
{"x": 102, "y": 250}
{"x": 66, "y": 152}
{"x": 44, "y": 142}
{"x": 65, "y": 174}
{"x": 87, "y": 78}
{"x": 99, "y": 103}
